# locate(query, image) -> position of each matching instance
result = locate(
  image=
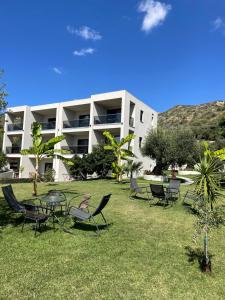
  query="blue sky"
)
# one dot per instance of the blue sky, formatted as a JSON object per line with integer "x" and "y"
{"x": 164, "y": 52}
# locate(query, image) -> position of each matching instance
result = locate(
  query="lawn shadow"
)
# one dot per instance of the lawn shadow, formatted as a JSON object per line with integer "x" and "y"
{"x": 196, "y": 255}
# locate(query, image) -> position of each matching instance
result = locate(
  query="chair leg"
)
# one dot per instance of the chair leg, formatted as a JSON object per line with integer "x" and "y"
{"x": 107, "y": 226}
{"x": 96, "y": 225}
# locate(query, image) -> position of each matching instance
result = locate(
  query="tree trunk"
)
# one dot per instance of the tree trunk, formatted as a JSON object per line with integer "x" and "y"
{"x": 206, "y": 263}
{"x": 36, "y": 178}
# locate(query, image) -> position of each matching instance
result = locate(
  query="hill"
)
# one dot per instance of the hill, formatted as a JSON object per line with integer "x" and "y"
{"x": 206, "y": 120}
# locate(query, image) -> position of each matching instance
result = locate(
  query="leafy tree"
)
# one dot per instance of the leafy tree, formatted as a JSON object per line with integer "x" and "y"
{"x": 133, "y": 167}
{"x": 101, "y": 160}
{"x": 42, "y": 149}
{"x": 167, "y": 147}
{"x": 3, "y": 160}
{"x": 120, "y": 153}
{"x": 81, "y": 166}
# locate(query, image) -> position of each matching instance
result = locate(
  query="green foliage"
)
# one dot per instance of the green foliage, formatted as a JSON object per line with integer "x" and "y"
{"x": 133, "y": 167}
{"x": 99, "y": 162}
{"x": 207, "y": 182}
{"x": 49, "y": 175}
{"x": 3, "y": 160}
{"x": 117, "y": 148}
{"x": 170, "y": 147}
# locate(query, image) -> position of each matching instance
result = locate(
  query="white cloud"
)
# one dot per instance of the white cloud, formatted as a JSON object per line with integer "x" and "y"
{"x": 57, "y": 70}
{"x": 84, "y": 51}
{"x": 85, "y": 32}
{"x": 155, "y": 13}
{"x": 219, "y": 25}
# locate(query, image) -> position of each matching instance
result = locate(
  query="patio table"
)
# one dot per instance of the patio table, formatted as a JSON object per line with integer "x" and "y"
{"x": 52, "y": 202}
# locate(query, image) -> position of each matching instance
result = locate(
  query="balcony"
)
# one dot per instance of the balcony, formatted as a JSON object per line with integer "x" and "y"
{"x": 76, "y": 123}
{"x": 76, "y": 149}
{"x": 48, "y": 126}
{"x": 15, "y": 127}
{"x": 13, "y": 150}
{"x": 107, "y": 119}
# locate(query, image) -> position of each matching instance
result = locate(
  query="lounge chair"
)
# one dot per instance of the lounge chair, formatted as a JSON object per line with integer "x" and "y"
{"x": 79, "y": 214}
{"x": 30, "y": 211}
{"x": 174, "y": 188}
{"x": 158, "y": 192}
{"x": 137, "y": 189}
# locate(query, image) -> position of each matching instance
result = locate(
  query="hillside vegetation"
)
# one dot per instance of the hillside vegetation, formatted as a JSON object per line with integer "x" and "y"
{"x": 206, "y": 120}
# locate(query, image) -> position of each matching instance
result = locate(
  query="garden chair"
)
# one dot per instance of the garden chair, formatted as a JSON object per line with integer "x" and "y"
{"x": 136, "y": 189}
{"x": 158, "y": 192}
{"x": 174, "y": 188}
{"x": 79, "y": 214}
{"x": 29, "y": 211}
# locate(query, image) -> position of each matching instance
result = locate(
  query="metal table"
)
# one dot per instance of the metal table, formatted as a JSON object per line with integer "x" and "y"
{"x": 52, "y": 202}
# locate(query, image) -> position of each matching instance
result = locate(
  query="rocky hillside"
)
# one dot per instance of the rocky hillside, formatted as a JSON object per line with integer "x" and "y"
{"x": 204, "y": 119}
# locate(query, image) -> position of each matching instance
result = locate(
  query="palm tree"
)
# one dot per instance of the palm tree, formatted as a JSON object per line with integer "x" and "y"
{"x": 133, "y": 167}
{"x": 120, "y": 153}
{"x": 42, "y": 149}
{"x": 207, "y": 187}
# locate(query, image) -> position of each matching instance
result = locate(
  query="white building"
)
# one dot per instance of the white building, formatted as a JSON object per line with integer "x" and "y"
{"x": 82, "y": 122}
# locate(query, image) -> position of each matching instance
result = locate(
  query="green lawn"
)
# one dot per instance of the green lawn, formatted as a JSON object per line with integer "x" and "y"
{"x": 143, "y": 256}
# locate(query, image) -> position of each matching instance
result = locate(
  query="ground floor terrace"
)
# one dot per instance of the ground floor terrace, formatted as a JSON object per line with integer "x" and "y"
{"x": 147, "y": 253}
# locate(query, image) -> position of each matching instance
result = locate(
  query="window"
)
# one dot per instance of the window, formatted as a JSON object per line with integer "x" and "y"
{"x": 140, "y": 142}
{"x": 141, "y": 115}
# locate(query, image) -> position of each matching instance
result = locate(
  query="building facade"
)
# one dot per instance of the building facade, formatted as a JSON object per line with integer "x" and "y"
{"x": 82, "y": 122}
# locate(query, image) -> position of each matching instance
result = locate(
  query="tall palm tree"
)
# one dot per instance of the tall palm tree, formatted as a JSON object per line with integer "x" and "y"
{"x": 120, "y": 153}
{"x": 41, "y": 150}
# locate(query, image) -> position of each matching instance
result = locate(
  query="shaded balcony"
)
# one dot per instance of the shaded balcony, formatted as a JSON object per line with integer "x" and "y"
{"x": 107, "y": 119}
{"x": 48, "y": 126}
{"x": 15, "y": 127}
{"x": 13, "y": 150}
{"x": 77, "y": 123}
{"x": 81, "y": 149}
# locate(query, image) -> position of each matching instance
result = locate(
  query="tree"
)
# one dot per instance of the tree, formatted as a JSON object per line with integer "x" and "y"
{"x": 169, "y": 147}
{"x": 101, "y": 160}
{"x": 80, "y": 166}
{"x": 133, "y": 167}
{"x": 42, "y": 149}
{"x": 120, "y": 153}
{"x": 3, "y": 160}
{"x": 207, "y": 187}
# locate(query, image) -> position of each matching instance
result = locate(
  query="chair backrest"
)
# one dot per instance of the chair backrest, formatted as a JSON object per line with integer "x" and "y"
{"x": 174, "y": 184}
{"x": 11, "y": 199}
{"x": 157, "y": 190}
{"x": 133, "y": 184}
{"x": 104, "y": 201}
{"x": 84, "y": 203}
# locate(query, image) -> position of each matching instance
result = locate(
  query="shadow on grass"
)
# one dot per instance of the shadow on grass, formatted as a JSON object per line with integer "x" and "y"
{"x": 196, "y": 255}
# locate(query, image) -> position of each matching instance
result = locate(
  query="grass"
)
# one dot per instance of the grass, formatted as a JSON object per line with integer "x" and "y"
{"x": 143, "y": 256}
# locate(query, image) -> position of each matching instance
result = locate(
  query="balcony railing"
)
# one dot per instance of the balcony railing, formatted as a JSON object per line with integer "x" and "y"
{"x": 131, "y": 122}
{"x": 13, "y": 150}
{"x": 15, "y": 127}
{"x": 48, "y": 126}
{"x": 76, "y": 123}
{"x": 107, "y": 119}
{"x": 76, "y": 149}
